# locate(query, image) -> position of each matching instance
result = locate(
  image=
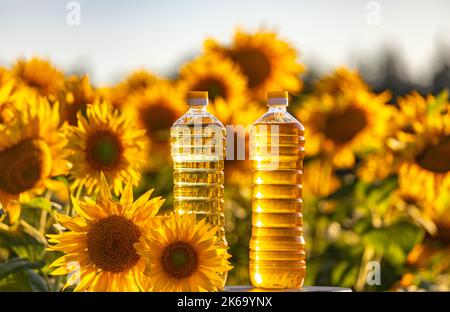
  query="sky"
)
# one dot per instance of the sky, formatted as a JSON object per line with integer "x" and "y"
{"x": 115, "y": 36}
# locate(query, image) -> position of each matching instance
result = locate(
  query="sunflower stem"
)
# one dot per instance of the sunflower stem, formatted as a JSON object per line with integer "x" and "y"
{"x": 56, "y": 284}
{"x": 44, "y": 214}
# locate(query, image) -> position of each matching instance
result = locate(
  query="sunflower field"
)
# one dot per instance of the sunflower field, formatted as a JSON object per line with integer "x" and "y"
{"x": 85, "y": 169}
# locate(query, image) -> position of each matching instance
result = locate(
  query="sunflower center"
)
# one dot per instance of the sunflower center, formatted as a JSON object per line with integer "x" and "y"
{"x": 70, "y": 113}
{"x": 110, "y": 243}
{"x": 255, "y": 65}
{"x": 179, "y": 260}
{"x": 104, "y": 150}
{"x": 157, "y": 117}
{"x": 436, "y": 158}
{"x": 23, "y": 165}
{"x": 34, "y": 82}
{"x": 344, "y": 126}
{"x": 213, "y": 86}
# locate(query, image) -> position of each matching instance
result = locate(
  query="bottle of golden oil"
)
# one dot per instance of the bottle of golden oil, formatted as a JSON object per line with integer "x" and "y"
{"x": 277, "y": 247}
{"x": 198, "y": 153}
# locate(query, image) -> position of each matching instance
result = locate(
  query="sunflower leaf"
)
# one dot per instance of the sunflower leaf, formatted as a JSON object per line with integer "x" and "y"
{"x": 39, "y": 203}
{"x": 394, "y": 241}
{"x": 438, "y": 103}
{"x": 24, "y": 280}
{"x": 23, "y": 241}
{"x": 15, "y": 264}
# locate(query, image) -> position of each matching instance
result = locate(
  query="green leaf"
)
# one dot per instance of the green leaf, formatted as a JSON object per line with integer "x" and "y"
{"x": 36, "y": 282}
{"x": 39, "y": 203}
{"x": 395, "y": 254}
{"x": 394, "y": 241}
{"x": 380, "y": 192}
{"x": 406, "y": 234}
{"x": 350, "y": 276}
{"x": 24, "y": 241}
{"x": 342, "y": 192}
{"x": 338, "y": 272}
{"x": 377, "y": 238}
{"x": 26, "y": 280}
{"x": 438, "y": 104}
{"x": 16, "y": 264}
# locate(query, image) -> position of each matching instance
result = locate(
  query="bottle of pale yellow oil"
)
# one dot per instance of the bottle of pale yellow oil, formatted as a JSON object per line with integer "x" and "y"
{"x": 198, "y": 153}
{"x": 277, "y": 247}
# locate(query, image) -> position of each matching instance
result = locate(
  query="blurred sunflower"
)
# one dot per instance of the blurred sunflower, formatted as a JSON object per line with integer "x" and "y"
{"x": 4, "y": 73}
{"x": 340, "y": 125}
{"x": 340, "y": 82}
{"x": 424, "y": 139}
{"x": 319, "y": 179}
{"x": 225, "y": 85}
{"x": 6, "y": 90}
{"x": 411, "y": 109}
{"x": 74, "y": 97}
{"x": 136, "y": 82}
{"x": 182, "y": 255}
{"x": 155, "y": 109}
{"x": 113, "y": 95}
{"x": 39, "y": 76}
{"x": 268, "y": 62}
{"x": 418, "y": 151}
{"x": 32, "y": 151}
{"x": 98, "y": 246}
{"x": 104, "y": 141}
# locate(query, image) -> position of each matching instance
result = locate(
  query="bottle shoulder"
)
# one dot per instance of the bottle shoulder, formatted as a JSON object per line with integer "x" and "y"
{"x": 279, "y": 117}
{"x": 190, "y": 119}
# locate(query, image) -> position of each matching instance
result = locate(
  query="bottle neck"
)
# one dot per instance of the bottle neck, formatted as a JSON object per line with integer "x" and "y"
{"x": 197, "y": 109}
{"x": 277, "y": 108}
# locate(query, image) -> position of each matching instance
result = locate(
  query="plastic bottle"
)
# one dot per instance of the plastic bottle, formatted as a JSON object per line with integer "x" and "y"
{"x": 198, "y": 153}
{"x": 277, "y": 247}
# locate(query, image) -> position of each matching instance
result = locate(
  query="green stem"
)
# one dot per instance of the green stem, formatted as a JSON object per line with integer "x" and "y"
{"x": 44, "y": 214}
{"x": 56, "y": 284}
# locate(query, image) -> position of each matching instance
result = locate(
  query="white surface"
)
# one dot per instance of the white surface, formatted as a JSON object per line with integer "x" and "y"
{"x": 303, "y": 289}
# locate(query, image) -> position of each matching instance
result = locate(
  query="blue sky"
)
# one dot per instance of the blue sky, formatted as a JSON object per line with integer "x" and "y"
{"x": 116, "y": 36}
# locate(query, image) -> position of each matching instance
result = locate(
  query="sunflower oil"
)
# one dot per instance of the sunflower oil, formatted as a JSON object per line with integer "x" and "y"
{"x": 198, "y": 153}
{"x": 277, "y": 247}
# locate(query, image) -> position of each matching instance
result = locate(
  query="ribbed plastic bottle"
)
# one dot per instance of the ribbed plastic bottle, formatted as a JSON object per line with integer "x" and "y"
{"x": 198, "y": 153}
{"x": 277, "y": 247}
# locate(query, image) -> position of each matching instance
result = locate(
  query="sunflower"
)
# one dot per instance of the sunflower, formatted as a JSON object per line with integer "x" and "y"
{"x": 225, "y": 85}
{"x": 319, "y": 179}
{"x": 155, "y": 108}
{"x": 98, "y": 246}
{"x": 136, "y": 82}
{"x": 268, "y": 62}
{"x": 74, "y": 97}
{"x": 113, "y": 95}
{"x": 341, "y": 81}
{"x": 39, "y": 76}
{"x": 340, "y": 125}
{"x": 418, "y": 151}
{"x": 424, "y": 156}
{"x": 4, "y": 73}
{"x": 6, "y": 90}
{"x": 104, "y": 141}
{"x": 182, "y": 255}
{"x": 32, "y": 151}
